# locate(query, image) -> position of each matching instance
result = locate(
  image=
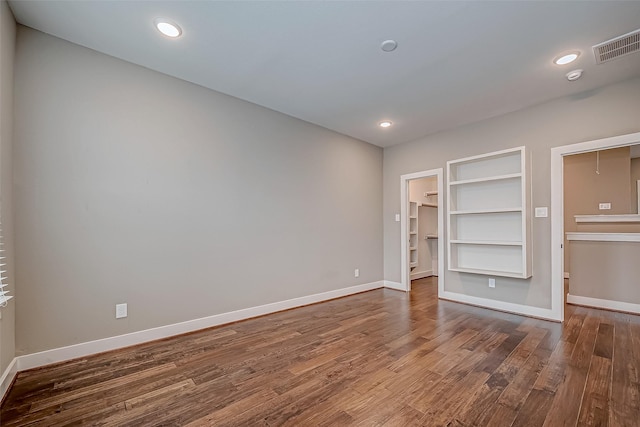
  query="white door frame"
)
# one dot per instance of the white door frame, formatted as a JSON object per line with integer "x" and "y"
{"x": 404, "y": 220}
{"x": 557, "y": 208}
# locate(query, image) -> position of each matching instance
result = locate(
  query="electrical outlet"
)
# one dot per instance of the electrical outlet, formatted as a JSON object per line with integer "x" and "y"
{"x": 356, "y": 273}
{"x": 492, "y": 282}
{"x": 121, "y": 311}
{"x": 604, "y": 206}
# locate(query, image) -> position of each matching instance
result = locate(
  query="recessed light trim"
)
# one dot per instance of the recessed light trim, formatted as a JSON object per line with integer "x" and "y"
{"x": 168, "y": 27}
{"x": 567, "y": 58}
{"x": 385, "y": 123}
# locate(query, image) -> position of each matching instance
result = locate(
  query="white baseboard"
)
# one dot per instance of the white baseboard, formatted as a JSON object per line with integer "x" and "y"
{"x": 626, "y": 307}
{"x": 421, "y": 274}
{"x": 61, "y": 354}
{"x": 525, "y": 310}
{"x": 7, "y": 377}
{"x": 566, "y": 275}
{"x": 394, "y": 285}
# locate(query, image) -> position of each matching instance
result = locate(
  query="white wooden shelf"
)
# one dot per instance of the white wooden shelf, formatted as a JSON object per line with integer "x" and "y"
{"x": 429, "y": 205}
{"x": 608, "y": 218}
{"x": 431, "y": 193}
{"x": 500, "y": 273}
{"x": 486, "y": 242}
{"x": 431, "y": 236}
{"x": 487, "y": 179}
{"x": 489, "y": 219}
{"x": 604, "y": 237}
{"x": 484, "y": 211}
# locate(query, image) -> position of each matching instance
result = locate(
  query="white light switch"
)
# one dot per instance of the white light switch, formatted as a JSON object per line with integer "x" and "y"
{"x": 542, "y": 212}
{"x": 397, "y": 217}
{"x": 604, "y": 206}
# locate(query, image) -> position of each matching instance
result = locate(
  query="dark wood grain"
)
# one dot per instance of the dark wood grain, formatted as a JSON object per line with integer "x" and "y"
{"x": 377, "y": 358}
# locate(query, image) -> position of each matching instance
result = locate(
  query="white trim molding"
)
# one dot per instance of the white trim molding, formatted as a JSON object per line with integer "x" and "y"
{"x": 606, "y": 304}
{"x": 557, "y": 207}
{"x": 604, "y": 237}
{"x": 394, "y": 285}
{"x": 421, "y": 274}
{"x": 524, "y": 310}
{"x": 61, "y": 354}
{"x": 405, "y": 271}
{"x": 608, "y": 218}
{"x": 7, "y": 377}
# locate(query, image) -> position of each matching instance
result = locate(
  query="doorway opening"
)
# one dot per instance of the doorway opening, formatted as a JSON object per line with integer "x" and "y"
{"x": 422, "y": 227}
{"x": 558, "y": 155}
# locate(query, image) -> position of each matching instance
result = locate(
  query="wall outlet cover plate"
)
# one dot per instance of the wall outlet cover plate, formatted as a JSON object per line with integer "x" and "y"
{"x": 121, "y": 311}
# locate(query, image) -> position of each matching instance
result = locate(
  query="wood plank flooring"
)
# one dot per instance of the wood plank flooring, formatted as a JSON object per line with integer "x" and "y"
{"x": 376, "y": 358}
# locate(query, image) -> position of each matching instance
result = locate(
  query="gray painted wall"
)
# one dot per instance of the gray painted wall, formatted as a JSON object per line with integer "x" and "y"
{"x": 7, "y": 45}
{"x": 132, "y": 186}
{"x": 609, "y": 111}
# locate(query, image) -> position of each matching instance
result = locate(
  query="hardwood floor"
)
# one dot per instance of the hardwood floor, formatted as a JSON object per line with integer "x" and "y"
{"x": 376, "y": 358}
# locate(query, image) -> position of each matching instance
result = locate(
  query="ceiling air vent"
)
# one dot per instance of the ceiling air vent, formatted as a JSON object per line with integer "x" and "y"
{"x": 615, "y": 48}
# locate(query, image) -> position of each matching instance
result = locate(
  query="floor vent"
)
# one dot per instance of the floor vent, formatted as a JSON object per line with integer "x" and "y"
{"x": 615, "y": 48}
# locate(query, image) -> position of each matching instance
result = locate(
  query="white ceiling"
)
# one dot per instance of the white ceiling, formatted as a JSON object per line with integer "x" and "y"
{"x": 456, "y": 62}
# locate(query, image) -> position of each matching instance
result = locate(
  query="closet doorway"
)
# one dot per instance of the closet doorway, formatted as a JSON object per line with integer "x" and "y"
{"x": 422, "y": 227}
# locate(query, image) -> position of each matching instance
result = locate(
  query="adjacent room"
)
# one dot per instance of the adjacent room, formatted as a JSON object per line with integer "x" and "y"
{"x": 319, "y": 213}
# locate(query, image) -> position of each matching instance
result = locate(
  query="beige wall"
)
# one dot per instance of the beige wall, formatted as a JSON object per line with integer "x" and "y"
{"x": 584, "y": 190}
{"x": 635, "y": 176}
{"x": 132, "y": 186}
{"x": 605, "y": 270}
{"x": 417, "y": 188}
{"x": 608, "y": 111}
{"x": 7, "y": 45}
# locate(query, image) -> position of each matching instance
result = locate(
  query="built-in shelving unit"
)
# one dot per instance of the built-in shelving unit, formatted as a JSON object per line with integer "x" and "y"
{"x": 413, "y": 234}
{"x": 488, "y": 211}
{"x": 423, "y": 209}
{"x": 431, "y": 233}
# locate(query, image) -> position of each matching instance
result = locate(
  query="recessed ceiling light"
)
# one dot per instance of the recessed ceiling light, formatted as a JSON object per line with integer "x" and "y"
{"x": 389, "y": 45}
{"x": 168, "y": 28}
{"x": 567, "y": 58}
{"x": 385, "y": 124}
{"x": 574, "y": 75}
